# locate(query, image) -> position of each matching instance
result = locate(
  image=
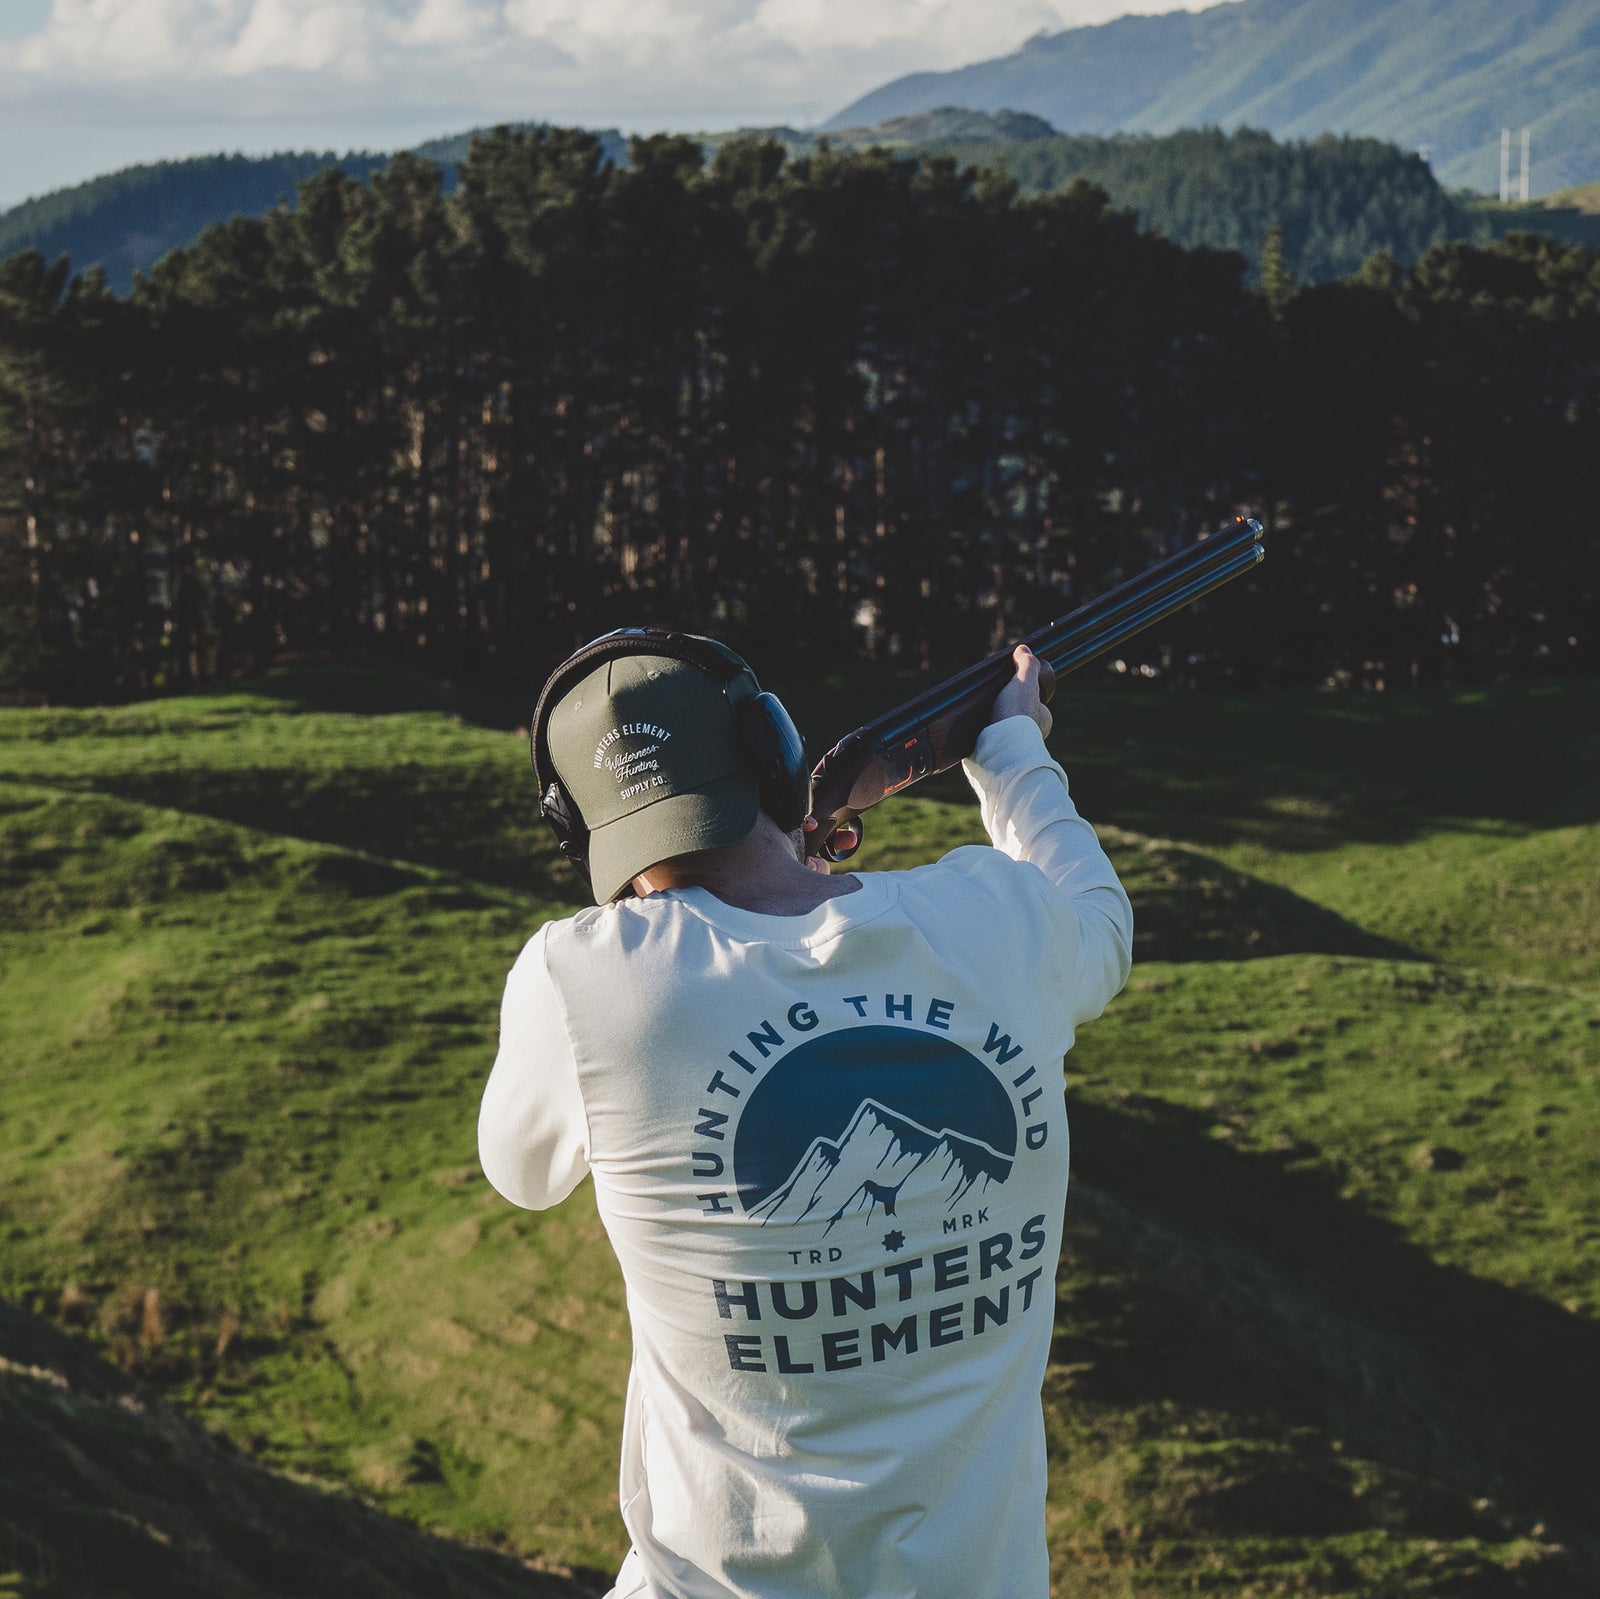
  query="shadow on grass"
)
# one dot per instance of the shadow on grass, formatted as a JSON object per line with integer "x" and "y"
{"x": 1190, "y": 907}
{"x": 1245, "y": 1284}
{"x": 382, "y": 688}
{"x": 106, "y": 1493}
{"x": 1304, "y": 771}
{"x": 1295, "y": 771}
{"x": 445, "y": 819}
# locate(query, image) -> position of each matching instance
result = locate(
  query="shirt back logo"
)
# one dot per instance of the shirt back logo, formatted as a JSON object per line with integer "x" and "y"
{"x": 870, "y": 1122}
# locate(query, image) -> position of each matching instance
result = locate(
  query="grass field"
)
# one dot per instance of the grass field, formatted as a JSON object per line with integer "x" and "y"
{"x": 1327, "y": 1320}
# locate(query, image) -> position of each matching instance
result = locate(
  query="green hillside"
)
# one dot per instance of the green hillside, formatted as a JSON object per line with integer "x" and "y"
{"x": 1327, "y": 1318}
{"x": 1573, "y": 224}
{"x": 127, "y": 220}
{"x": 1410, "y": 71}
{"x": 1585, "y": 197}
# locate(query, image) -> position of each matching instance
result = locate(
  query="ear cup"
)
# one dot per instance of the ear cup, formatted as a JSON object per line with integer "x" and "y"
{"x": 777, "y": 755}
{"x": 572, "y": 837}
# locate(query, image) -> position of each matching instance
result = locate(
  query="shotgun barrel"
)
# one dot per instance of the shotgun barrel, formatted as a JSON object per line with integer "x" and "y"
{"x": 939, "y": 727}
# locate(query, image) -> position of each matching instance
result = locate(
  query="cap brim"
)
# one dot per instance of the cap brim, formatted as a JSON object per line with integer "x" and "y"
{"x": 719, "y": 814}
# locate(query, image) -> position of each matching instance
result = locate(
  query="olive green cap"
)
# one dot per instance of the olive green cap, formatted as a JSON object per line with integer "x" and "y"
{"x": 646, "y": 748}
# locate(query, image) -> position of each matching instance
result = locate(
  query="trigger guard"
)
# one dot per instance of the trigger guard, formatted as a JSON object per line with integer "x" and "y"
{"x": 837, "y": 852}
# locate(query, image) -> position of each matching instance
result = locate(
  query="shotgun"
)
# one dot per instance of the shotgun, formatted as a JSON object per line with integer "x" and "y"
{"x": 940, "y": 726}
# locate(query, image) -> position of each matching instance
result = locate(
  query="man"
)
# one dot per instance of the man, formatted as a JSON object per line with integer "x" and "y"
{"x": 825, "y": 1120}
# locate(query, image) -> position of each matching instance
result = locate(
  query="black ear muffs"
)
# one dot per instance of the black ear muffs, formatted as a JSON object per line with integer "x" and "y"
{"x": 776, "y": 753}
{"x": 769, "y": 743}
{"x": 572, "y": 837}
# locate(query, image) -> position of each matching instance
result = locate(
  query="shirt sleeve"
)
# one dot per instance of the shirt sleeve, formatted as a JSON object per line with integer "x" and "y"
{"x": 533, "y": 1132}
{"x": 1029, "y": 814}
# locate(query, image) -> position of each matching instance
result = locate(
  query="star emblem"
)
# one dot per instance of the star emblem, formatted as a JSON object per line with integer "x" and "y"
{"x": 894, "y": 1241}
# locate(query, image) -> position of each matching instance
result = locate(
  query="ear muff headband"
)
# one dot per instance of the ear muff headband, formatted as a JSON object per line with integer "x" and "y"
{"x": 769, "y": 743}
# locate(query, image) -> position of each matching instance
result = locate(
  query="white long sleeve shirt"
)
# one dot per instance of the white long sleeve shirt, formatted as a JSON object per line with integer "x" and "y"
{"x": 830, "y": 1152}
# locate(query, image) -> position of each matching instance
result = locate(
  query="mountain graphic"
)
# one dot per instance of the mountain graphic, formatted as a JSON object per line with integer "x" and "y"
{"x": 882, "y": 1163}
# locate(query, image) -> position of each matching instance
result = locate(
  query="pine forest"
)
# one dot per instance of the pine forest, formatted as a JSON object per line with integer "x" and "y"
{"x": 846, "y": 405}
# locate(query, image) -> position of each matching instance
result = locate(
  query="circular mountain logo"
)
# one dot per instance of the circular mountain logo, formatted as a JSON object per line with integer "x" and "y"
{"x": 859, "y": 1125}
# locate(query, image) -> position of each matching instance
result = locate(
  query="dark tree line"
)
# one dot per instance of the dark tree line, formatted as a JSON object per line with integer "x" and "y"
{"x": 842, "y": 406}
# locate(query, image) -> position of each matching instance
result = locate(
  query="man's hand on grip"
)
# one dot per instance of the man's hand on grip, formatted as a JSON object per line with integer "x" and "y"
{"x": 1021, "y": 696}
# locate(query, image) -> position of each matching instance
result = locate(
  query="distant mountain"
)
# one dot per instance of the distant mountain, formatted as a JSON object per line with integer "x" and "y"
{"x": 882, "y": 1162}
{"x": 126, "y": 221}
{"x": 921, "y": 130}
{"x": 951, "y": 125}
{"x": 453, "y": 147}
{"x": 1446, "y": 74}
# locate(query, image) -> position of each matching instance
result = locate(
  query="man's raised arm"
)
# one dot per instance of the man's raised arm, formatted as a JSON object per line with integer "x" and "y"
{"x": 1028, "y": 813}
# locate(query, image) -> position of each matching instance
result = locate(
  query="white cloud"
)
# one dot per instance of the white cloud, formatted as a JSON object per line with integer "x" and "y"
{"x": 275, "y": 70}
{"x": 297, "y": 36}
{"x": 87, "y": 39}
{"x": 406, "y": 43}
{"x": 449, "y": 23}
{"x": 167, "y": 41}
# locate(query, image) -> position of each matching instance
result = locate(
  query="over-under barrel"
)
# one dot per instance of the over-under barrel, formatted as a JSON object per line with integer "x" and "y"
{"x": 940, "y": 726}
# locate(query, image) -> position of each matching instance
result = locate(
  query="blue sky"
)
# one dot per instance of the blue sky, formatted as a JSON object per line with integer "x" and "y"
{"x": 87, "y": 86}
{"x": 19, "y": 18}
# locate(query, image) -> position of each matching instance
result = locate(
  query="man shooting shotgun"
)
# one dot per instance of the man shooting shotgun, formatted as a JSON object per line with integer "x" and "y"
{"x": 823, "y": 1113}
{"x": 936, "y": 729}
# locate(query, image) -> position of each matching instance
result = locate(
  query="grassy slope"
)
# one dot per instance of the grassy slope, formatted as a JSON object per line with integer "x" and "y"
{"x": 1585, "y": 197}
{"x": 1553, "y": 215}
{"x": 1328, "y": 1311}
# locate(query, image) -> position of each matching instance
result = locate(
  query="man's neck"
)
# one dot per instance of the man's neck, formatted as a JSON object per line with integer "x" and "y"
{"x": 763, "y": 872}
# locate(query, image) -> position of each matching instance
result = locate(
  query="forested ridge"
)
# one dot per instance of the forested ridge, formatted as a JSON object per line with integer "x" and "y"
{"x": 1334, "y": 200}
{"x": 125, "y": 221}
{"x": 847, "y": 405}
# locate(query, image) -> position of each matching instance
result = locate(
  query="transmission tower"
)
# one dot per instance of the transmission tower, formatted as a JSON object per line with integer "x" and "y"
{"x": 1525, "y": 187}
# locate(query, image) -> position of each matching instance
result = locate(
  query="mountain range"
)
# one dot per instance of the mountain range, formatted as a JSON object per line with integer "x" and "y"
{"x": 882, "y": 1162}
{"x": 1445, "y": 75}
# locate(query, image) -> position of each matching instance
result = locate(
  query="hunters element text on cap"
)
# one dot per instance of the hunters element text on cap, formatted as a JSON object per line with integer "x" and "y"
{"x": 646, "y": 747}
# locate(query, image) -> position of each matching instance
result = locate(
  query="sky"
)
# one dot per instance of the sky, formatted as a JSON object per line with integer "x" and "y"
{"x": 87, "y": 86}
